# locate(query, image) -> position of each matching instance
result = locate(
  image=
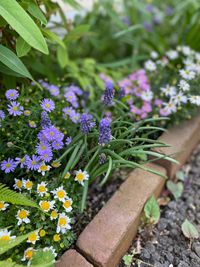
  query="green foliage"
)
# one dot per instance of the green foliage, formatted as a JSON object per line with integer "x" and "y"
{"x": 43, "y": 258}
{"x": 152, "y": 210}
{"x": 128, "y": 260}
{"x": 189, "y": 230}
{"x": 176, "y": 189}
{"x": 11, "y": 196}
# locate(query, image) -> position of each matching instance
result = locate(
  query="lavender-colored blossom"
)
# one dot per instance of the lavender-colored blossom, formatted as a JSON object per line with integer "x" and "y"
{"x": 67, "y": 110}
{"x": 86, "y": 123}
{"x": 15, "y": 109}
{"x": 71, "y": 98}
{"x": 46, "y": 156}
{"x": 68, "y": 140}
{"x": 75, "y": 89}
{"x": 169, "y": 11}
{"x": 54, "y": 90}
{"x": 42, "y": 148}
{"x": 104, "y": 132}
{"x": 148, "y": 26}
{"x": 32, "y": 124}
{"x": 121, "y": 92}
{"x": 21, "y": 161}
{"x": 45, "y": 120}
{"x": 48, "y": 105}
{"x": 33, "y": 163}
{"x": 102, "y": 158}
{"x": 109, "y": 93}
{"x": 158, "y": 102}
{"x": 74, "y": 117}
{"x": 8, "y": 165}
{"x": 57, "y": 144}
{"x": 2, "y": 115}
{"x": 12, "y": 94}
{"x": 51, "y": 134}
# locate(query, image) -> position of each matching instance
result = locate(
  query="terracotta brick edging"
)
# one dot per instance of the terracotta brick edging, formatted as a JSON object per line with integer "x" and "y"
{"x": 108, "y": 236}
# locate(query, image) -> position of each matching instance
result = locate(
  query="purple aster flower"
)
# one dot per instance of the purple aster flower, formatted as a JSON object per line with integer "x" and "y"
{"x": 68, "y": 140}
{"x": 12, "y": 94}
{"x": 74, "y": 116}
{"x": 15, "y": 109}
{"x": 48, "y": 105}
{"x": 33, "y": 163}
{"x": 42, "y": 148}
{"x": 122, "y": 92}
{"x": 54, "y": 90}
{"x": 68, "y": 110}
{"x": 51, "y": 134}
{"x": 104, "y": 132}
{"x": 57, "y": 145}
{"x": 45, "y": 120}
{"x": 75, "y": 89}
{"x": 2, "y": 115}
{"x": 109, "y": 93}
{"x": 71, "y": 98}
{"x": 46, "y": 156}
{"x": 8, "y": 165}
{"x": 158, "y": 102}
{"x": 32, "y": 124}
{"x": 21, "y": 161}
{"x": 86, "y": 123}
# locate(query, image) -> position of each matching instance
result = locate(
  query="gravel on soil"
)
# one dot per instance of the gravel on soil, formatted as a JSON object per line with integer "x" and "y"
{"x": 167, "y": 246}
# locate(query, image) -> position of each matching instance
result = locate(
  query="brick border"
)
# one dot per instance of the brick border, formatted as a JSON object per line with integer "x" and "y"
{"x": 108, "y": 236}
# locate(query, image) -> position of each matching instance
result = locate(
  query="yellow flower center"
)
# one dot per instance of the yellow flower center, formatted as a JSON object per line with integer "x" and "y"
{"x": 55, "y": 164}
{"x": 56, "y": 237}
{"x": 45, "y": 205}
{"x": 22, "y": 214}
{"x": 67, "y": 175}
{"x": 47, "y": 105}
{"x": 51, "y": 133}
{"x": 7, "y": 165}
{"x": 32, "y": 237}
{"x": 22, "y": 160}
{"x": 19, "y": 183}
{"x": 15, "y": 108}
{"x": 29, "y": 254}
{"x": 44, "y": 168}
{"x": 5, "y": 238}
{"x": 43, "y": 147}
{"x": 62, "y": 221}
{"x": 33, "y": 162}
{"x": 42, "y": 188}
{"x": 29, "y": 184}
{"x": 42, "y": 233}
{"x": 80, "y": 176}
{"x": 1, "y": 205}
{"x": 67, "y": 204}
{"x": 54, "y": 214}
{"x": 61, "y": 194}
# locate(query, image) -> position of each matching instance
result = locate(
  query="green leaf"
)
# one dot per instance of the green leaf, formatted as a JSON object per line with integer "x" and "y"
{"x": 23, "y": 24}
{"x": 78, "y": 32}
{"x": 128, "y": 259}
{"x": 53, "y": 37}
{"x": 152, "y": 210}
{"x": 8, "y": 58}
{"x": 175, "y": 189}
{"x": 22, "y": 48}
{"x": 36, "y": 12}
{"x": 62, "y": 56}
{"x": 8, "y": 71}
{"x": 180, "y": 175}
{"x": 43, "y": 258}
{"x": 73, "y": 3}
{"x": 189, "y": 230}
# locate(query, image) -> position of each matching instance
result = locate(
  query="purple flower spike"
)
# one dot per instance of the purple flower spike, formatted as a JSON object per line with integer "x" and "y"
{"x": 8, "y": 165}
{"x": 47, "y": 105}
{"x": 109, "y": 93}
{"x": 12, "y": 94}
{"x": 104, "y": 132}
{"x": 122, "y": 92}
{"x": 15, "y": 109}
{"x": 86, "y": 123}
{"x": 45, "y": 120}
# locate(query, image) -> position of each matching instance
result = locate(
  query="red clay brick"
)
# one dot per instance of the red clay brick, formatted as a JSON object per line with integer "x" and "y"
{"x": 108, "y": 236}
{"x": 183, "y": 139}
{"x": 72, "y": 258}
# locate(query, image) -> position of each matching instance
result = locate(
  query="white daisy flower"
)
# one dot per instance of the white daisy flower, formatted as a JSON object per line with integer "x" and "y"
{"x": 67, "y": 204}
{"x": 81, "y": 176}
{"x": 33, "y": 237}
{"x": 170, "y": 107}
{"x": 28, "y": 254}
{"x": 183, "y": 85}
{"x": 186, "y": 50}
{"x": 179, "y": 98}
{"x": 44, "y": 168}
{"x": 52, "y": 249}
{"x": 195, "y": 99}
{"x": 147, "y": 95}
{"x": 172, "y": 54}
{"x": 168, "y": 90}
{"x": 54, "y": 215}
{"x": 154, "y": 54}
{"x": 187, "y": 74}
{"x": 5, "y": 235}
{"x": 18, "y": 184}
{"x": 46, "y": 205}
{"x": 63, "y": 223}
{"x": 41, "y": 188}
{"x": 22, "y": 216}
{"x": 27, "y": 184}
{"x": 150, "y": 65}
{"x": 3, "y": 205}
{"x": 59, "y": 193}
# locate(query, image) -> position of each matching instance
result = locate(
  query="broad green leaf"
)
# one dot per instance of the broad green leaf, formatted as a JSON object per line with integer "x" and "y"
{"x": 152, "y": 210}
{"x": 53, "y": 37}
{"x": 36, "y": 12}
{"x": 175, "y": 189}
{"x": 43, "y": 258}
{"x": 180, "y": 175}
{"x": 62, "y": 56}
{"x": 9, "y": 59}
{"x": 189, "y": 230}
{"x": 23, "y": 24}
{"x": 8, "y": 71}
{"x": 22, "y": 48}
